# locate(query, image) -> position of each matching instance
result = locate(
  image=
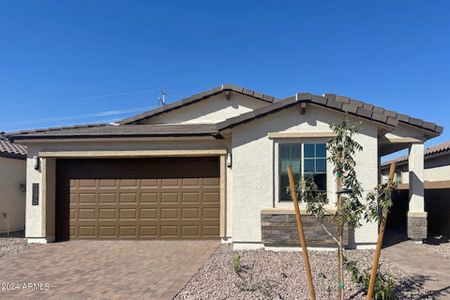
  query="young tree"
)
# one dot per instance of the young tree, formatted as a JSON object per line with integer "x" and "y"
{"x": 379, "y": 204}
{"x": 349, "y": 208}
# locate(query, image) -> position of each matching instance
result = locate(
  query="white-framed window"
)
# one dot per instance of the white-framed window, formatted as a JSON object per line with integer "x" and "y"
{"x": 307, "y": 159}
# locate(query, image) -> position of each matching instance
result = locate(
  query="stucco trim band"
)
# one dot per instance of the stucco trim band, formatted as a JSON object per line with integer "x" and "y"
{"x": 292, "y": 135}
{"x": 143, "y": 153}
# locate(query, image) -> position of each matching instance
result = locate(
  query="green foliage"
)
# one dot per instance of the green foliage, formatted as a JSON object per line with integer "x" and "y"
{"x": 315, "y": 199}
{"x": 342, "y": 149}
{"x": 236, "y": 263}
{"x": 385, "y": 286}
{"x": 379, "y": 202}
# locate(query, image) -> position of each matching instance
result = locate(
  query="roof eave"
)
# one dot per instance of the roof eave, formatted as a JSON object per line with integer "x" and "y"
{"x": 198, "y": 97}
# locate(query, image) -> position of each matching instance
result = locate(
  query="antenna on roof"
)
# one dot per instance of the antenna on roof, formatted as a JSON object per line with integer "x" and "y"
{"x": 162, "y": 99}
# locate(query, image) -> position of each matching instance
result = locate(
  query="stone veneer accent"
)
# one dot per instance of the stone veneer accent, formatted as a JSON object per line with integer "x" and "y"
{"x": 417, "y": 225}
{"x": 279, "y": 228}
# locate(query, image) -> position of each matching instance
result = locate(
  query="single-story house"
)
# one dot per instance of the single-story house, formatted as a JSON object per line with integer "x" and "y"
{"x": 12, "y": 185}
{"x": 436, "y": 185}
{"x": 212, "y": 166}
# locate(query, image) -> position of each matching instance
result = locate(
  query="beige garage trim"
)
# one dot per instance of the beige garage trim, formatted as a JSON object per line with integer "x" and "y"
{"x": 48, "y": 178}
{"x": 131, "y": 154}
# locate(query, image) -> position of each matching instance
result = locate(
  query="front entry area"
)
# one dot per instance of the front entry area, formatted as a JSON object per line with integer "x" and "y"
{"x": 146, "y": 198}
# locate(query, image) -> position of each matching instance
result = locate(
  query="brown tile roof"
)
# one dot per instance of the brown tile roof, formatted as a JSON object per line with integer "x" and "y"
{"x": 338, "y": 103}
{"x": 330, "y": 101}
{"x": 103, "y": 130}
{"x": 11, "y": 150}
{"x": 430, "y": 152}
{"x": 199, "y": 97}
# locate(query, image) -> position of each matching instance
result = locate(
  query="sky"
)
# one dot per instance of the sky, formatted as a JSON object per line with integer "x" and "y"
{"x": 78, "y": 62}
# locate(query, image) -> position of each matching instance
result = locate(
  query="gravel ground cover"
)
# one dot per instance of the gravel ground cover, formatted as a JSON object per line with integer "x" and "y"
{"x": 439, "y": 245}
{"x": 13, "y": 243}
{"x": 280, "y": 275}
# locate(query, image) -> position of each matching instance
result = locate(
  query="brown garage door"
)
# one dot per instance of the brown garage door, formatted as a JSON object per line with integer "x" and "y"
{"x": 165, "y": 198}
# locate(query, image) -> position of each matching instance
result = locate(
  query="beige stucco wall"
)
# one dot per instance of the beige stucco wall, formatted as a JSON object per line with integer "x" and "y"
{"x": 254, "y": 171}
{"x": 212, "y": 110}
{"x": 12, "y": 199}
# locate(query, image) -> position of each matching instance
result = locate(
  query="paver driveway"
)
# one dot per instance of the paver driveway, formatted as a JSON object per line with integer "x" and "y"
{"x": 104, "y": 269}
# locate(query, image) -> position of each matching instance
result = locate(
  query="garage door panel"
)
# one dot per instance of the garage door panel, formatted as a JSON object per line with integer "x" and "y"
{"x": 210, "y": 230}
{"x": 87, "y": 183}
{"x": 191, "y": 182}
{"x": 191, "y": 197}
{"x": 107, "y": 231}
{"x": 150, "y": 183}
{"x": 169, "y": 214}
{"x": 169, "y": 197}
{"x": 190, "y": 213}
{"x": 87, "y": 214}
{"x": 169, "y": 231}
{"x": 149, "y": 214}
{"x": 87, "y": 231}
{"x": 139, "y": 204}
{"x": 149, "y": 231}
{"x": 106, "y": 198}
{"x": 149, "y": 197}
{"x": 212, "y": 213}
{"x": 211, "y": 197}
{"x": 107, "y": 183}
{"x": 128, "y": 183}
{"x": 107, "y": 214}
{"x": 86, "y": 198}
{"x": 128, "y": 231}
{"x": 211, "y": 182}
{"x": 190, "y": 231}
{"x": 128, "y": 214}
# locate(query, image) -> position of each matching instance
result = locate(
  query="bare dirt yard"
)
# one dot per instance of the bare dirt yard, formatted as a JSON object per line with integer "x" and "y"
{"x": 280, "y": 275}
{"x": 14, "y": 242}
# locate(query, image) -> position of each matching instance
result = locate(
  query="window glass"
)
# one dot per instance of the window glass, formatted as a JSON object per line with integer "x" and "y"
{"x": 290, "y": 154}
{"x": 314, "y": 165}
{"x": 321, "y": 150}
{"x": 309, "y": 165}
{"x": 321, "y": 165}
{"x": 309, "y": 150}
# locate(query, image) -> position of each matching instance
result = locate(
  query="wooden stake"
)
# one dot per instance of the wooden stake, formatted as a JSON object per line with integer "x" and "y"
{"x": 301, "y": 233}
{"x": 376, "y": 257}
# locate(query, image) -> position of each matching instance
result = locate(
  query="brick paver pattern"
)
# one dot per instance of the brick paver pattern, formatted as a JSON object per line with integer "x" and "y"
{"x": 105, "y": 269}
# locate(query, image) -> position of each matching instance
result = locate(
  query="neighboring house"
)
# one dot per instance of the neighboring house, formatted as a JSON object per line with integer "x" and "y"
{"x": 207, "y": 167}
{"x": 12, "y": 185}
{"x": 437, "y": 188}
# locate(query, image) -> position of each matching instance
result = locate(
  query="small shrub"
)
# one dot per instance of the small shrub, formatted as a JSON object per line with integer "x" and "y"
{"x": 384, "y": 288}
{"x": 236, "y": 263}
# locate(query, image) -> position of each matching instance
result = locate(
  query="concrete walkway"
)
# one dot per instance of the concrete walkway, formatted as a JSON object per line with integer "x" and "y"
{"x": 103, "y": 269}
{"x": 423, "y": 265}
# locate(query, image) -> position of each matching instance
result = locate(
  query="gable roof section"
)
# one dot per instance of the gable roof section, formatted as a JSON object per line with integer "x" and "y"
{"x": 127, "y": 128}
{"x": 11, "y": 150}
{"x": 340, "y": 104}
{"x": 430, "y": 152}
{"x": 119, "y": 131}
{"x": 197, "y": 98}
